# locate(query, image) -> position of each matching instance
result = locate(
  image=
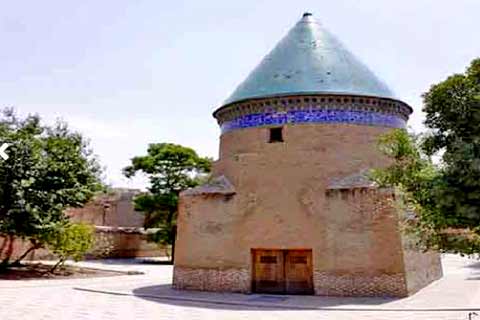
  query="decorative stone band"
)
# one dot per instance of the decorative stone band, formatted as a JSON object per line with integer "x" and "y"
{"x": 313, "y": 109}
{"x": 223, "y": 280}
{"x": 314, "y": 116}
{"x": 360, "y": 285}
{"x": 325, "y": 283}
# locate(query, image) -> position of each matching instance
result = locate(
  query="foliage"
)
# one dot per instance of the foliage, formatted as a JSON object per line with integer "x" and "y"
{"x": 49, "y": 169}
{"x": 170, "y": 169}
{"x": 452, "y": 110}
{"x": 445, "y": 198}
{"x": 72, "y": 240}
{"x": 421, "y": 186}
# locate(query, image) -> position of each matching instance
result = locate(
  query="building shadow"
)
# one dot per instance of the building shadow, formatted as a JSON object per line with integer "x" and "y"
{"x": 474, "y": 273}
{"x": 165, "y": 294}
{"x": 474, "y": 265}
{"x": 132, "y": 261}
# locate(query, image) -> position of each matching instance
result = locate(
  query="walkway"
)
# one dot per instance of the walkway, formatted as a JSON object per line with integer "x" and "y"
{"x": 149, "y": 296}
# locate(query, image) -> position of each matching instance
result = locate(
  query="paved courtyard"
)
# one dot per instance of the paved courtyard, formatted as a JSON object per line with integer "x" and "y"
{"x": 149, "y": 296}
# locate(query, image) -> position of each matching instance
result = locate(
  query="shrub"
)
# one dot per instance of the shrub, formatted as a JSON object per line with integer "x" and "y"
{"x": 71, "y": 241}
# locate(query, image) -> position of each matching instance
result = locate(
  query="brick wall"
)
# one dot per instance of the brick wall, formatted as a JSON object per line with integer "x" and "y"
{"x": 114, "y": 209}
{"x": 109, "y": 242}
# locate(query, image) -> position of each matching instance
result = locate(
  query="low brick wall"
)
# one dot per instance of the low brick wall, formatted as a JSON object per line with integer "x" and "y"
{"x": 110, "y": 242}
{"x": 127, "y": 242}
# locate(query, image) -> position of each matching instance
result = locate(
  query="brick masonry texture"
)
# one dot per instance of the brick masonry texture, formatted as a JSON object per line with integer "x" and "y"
{"x": 325, "y": 283}
{"x": 384, "y": 285}
{"x": 229, "y": 280}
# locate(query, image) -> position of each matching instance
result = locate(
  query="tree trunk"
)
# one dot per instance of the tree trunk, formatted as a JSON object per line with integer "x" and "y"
{"x": 33, "y": 247}
{"x": 8, "y": 253}
{"x": 174, "y": 236}
{"x": 172, "y": 231}
{"x": 60, "y": 261}
{"x": 5, "y": 262}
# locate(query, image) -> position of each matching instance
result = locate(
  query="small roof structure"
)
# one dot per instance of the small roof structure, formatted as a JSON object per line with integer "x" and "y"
{"x": 219, "y": 185}
{"x": 353, "y": 181}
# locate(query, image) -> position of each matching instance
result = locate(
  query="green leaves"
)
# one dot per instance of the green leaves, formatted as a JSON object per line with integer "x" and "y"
{"x": 49, "y": 169}
{"x": 72, "y": 240}
{"x": 446, "y": 197}
{"x": 170, "y": 168}
{"x": 443, "y": 216}
{"x": 453, "y": 114}
{"x": 156, "y": 207}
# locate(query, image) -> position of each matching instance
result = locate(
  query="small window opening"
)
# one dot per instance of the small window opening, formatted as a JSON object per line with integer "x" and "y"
{"x": 276, "y": 135}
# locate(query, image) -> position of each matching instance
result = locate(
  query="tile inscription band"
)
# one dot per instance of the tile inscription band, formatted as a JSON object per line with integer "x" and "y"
{"x": 370, "y": 118}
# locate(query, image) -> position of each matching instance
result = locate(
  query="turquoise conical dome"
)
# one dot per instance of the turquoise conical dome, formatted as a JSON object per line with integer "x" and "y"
{"x": 309, "y": 60}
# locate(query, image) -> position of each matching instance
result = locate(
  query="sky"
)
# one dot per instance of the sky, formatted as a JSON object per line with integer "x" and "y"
{"x": 130, "y": 73}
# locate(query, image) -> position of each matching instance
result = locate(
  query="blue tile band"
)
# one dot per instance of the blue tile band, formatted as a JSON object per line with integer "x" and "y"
{"x": 369, "y": 118}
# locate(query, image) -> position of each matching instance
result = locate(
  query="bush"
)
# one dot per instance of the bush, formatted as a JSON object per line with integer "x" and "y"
{"x": 71, "y": 241}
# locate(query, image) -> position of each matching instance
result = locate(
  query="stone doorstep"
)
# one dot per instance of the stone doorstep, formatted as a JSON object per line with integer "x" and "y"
{"x": 288, "y": 302}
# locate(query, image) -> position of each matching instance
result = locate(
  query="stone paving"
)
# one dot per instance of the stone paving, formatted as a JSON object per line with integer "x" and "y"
{"x": 149, "y": 296}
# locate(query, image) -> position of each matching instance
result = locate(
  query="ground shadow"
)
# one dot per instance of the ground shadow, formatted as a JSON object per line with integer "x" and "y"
{"x": 159, "y": 262}
{"x": 475, "y": 272}
{"x": 165, "y": 294}
{"x": 473, "y": 265}
{"x": 131, "y": 261}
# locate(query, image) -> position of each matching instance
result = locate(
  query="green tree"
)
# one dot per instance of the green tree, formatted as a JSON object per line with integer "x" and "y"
{"x": 170, "y": 169}
{"x": 452, "y": 110}
{"x": 49, "y": 169}
{"x": 444, "y": 197}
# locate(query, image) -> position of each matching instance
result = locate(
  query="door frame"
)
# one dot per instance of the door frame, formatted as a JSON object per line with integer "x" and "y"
{"x": 284, "y": 252}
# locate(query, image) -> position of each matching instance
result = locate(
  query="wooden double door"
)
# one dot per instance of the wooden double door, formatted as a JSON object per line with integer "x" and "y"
{"x": 282, "y": 271}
